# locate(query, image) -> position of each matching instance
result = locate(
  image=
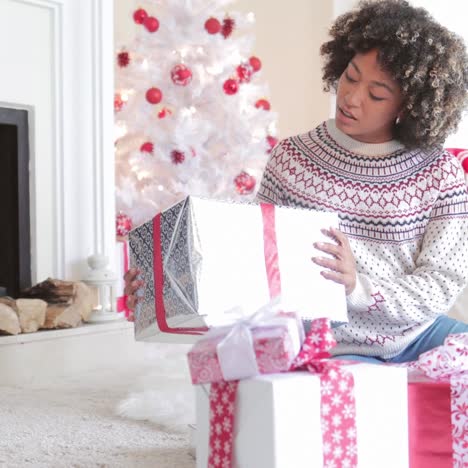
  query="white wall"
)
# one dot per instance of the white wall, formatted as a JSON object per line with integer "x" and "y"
{"x": 57, "y": 62}
{"x": 288, "y": 37}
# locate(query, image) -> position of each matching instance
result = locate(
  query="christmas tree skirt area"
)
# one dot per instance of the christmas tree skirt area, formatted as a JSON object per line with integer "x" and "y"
{"x": 126, "y": 415}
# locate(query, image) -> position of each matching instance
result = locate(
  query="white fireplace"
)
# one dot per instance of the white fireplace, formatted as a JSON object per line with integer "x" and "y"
{"x": 57, "y": 63}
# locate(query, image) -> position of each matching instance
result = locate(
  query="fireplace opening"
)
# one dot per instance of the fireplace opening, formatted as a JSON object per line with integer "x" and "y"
{"x": 15, "y": 237}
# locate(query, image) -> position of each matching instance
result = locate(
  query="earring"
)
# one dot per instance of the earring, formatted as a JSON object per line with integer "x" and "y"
{"x": 398, "y": 120}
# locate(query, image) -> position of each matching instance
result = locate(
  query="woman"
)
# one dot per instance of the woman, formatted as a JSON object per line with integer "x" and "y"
{"x": 401, "y": 252}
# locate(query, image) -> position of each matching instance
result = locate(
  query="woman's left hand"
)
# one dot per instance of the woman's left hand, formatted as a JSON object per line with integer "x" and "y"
{"x": 341, "y": 268}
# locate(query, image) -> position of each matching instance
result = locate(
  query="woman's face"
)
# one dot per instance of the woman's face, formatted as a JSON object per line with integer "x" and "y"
{"x": 368, "y": 100}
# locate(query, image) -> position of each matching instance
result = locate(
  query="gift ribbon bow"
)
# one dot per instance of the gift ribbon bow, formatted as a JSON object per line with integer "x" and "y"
{"x": 337, "y": 404}
{"x": 449, "y": 363}
{"x": 236, "y": 353}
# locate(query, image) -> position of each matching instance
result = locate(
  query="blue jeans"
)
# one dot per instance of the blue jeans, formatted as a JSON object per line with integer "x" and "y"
{"x": 432, "y": 337}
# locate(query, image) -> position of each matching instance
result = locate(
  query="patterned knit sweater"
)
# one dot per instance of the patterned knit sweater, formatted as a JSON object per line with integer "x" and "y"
{"x": 406, "y": 216}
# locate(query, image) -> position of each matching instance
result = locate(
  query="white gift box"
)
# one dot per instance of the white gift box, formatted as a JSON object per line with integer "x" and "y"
{"x": 277, "y": 420}
{"x": 201, "y": 258}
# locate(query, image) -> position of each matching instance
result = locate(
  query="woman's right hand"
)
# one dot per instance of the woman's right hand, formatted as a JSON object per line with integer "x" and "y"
{"x": 132, "y": 284}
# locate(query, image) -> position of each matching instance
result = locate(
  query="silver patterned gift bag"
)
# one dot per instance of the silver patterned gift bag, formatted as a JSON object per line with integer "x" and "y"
{"x": 201, "y": 258}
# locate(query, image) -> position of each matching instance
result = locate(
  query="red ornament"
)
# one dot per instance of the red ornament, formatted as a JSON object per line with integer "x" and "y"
{"x": 139, "y": 16}
{"x": 231, "y": 86}
{"x": 164, "y": 112}
{"x": 272, "y": 142}
{"x": 123, "y": 59}
{"x": 177, "y": 157}
{"x": 181, "y": 75}
{"x": 147, "y": 147}
{"x": 123, "y": 224}
{"x": 255, "y": 63}
{"x": 213, "y": 26}
{"x": 228, "y": 27}
{"x": 244, "y": 72}
{"x": 245, "y": 183}
{"x": 154, "y": 95}
{"x": 118, "y": 102}
{"x": 263, "y": 104}
{"x": 151, "y": 24}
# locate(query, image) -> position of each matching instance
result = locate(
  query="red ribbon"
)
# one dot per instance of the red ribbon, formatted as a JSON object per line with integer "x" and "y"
{"x": 270, "y": 247}
{"x": 122, "y": 300}
{"x": 159, "y": 287}
{"x": 337, "y": 405}
{"x": 271, "y": 264}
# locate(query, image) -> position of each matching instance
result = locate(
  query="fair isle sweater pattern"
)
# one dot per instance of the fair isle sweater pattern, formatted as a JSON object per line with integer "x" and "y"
{"x": 406, "y": 216}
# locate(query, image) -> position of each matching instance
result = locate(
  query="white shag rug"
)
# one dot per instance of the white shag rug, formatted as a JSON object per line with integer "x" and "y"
{"x": 120, "y": 417}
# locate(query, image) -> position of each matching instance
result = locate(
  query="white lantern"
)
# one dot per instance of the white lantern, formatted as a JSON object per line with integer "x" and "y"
{"x": 104, "y": 283}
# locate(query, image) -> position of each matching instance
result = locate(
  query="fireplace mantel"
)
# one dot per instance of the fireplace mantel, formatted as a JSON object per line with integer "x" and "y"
{"x": 57, "y": 62}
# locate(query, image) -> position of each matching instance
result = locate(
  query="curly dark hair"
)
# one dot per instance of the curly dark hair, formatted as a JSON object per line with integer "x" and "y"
{"x": 428, "y": 62}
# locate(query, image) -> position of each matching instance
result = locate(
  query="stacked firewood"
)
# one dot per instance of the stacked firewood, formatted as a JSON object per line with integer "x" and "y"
{"x": 47, "y": 305}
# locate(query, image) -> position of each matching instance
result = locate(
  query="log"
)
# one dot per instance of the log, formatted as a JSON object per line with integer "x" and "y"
{"x": 62, "y": 316}
{"x": 52, "y": 291}
{"x": 9, "y": 301}
{"x": 9, "y": 321}
{"x": 31, "y": 313}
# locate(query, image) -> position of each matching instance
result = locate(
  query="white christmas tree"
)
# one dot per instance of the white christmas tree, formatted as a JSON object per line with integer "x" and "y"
{"x": 192, "y": 114}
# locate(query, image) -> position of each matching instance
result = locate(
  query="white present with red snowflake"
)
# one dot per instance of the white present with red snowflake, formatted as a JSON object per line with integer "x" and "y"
{"x": 277, "y": 421}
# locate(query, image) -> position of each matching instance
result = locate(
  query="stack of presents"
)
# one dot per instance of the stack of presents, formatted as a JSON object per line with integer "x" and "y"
{"x": 237, "y": 281}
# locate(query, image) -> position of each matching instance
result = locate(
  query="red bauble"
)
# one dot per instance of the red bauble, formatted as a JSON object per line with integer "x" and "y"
{"x": 118, "y": 102}
{"x": 255, "y": 63}
{"x": 139, "y": 16}
{"x": 164, "y": 112}
{"x": 147, "y": 147}
{"x": 263, "y": 104}
{"x": 228, "y": 27}
{"x": 231, "y": 86}
{"x": 151, "y": 24}
{"x": 181, "y": 75}
{"x": 177, "y": 157}
{"x": 123, "y": 59}
{"x": 244, "y": 72}
{"x": 245, "y": 183}
{"x": 154, "y": 95}
{"x": 272, "y": 141}
{"x": 123, "y": 224}
{"x": 213, "y": 26}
